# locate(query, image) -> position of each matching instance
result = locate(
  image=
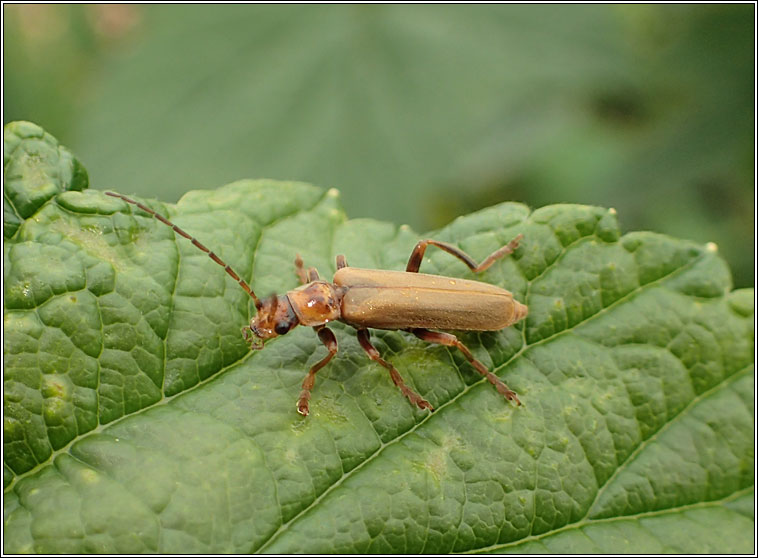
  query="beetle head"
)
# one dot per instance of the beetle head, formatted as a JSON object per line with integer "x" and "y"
{"x": 274, "y": 317}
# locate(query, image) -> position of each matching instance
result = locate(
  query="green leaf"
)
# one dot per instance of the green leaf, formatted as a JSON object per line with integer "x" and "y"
{"x": 136, "y": 420}
{"x": 35, "y": 168}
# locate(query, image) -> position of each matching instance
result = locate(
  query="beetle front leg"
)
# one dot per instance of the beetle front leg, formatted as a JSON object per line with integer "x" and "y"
{"x": 364, "y": 338}
{"x": 451, "y": 340}
{"x": 414, "y": 262}
{"x": 305, "y": 277}
{"x": 300, "y": 270}
{"x": 330, "y": 342}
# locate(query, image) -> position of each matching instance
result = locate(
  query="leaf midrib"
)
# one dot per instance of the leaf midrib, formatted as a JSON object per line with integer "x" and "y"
{"x": 586, "y": 522}
{"x": 724, "y": 383}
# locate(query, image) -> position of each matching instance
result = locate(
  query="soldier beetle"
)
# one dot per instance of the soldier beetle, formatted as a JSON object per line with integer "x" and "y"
{"x": 371, "y": 298}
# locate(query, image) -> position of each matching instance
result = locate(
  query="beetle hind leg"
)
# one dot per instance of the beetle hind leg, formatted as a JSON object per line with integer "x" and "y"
{"x": 414, "y": 262}
{"x": 365, "y": 341}
{"x": 451, "y": 340}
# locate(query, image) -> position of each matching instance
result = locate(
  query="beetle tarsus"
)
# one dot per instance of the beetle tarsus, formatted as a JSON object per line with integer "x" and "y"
{"x": 510, "y": 395}
{"x": 412, "y": 396}
{"x": 302, "y": 403}
{"x": 424, "y": 404}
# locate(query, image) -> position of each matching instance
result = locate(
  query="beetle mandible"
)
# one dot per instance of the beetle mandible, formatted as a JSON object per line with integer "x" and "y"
{"x": 372, "y": 298}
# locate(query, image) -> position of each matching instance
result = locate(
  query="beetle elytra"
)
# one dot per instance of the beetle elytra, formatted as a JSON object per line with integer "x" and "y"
{"x": 370, "y": 298}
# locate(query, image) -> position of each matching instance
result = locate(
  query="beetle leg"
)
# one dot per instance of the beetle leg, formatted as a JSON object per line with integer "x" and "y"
{"x": 305, "y": 277}
{"x": 364, "y": 339}
{"x": 414, "y": 262}
{"x": 300, "y": 270}
{"x": 330, "y": 342}
{"x": 341, "y": 261}
{"x": 451, "y": 340}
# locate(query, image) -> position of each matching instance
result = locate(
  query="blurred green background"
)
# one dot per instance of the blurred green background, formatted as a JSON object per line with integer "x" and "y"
{"x": 417, "y": 113}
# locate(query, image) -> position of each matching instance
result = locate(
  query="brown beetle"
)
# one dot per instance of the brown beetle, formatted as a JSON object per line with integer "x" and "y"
{"x": 371, "y": 298}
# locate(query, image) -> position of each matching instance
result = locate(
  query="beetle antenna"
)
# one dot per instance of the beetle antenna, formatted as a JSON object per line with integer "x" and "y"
{"x": 194, "y": 241}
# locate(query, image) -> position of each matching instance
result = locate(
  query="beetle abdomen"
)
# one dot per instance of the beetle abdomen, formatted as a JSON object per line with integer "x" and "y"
{"x": 400, "y": 300}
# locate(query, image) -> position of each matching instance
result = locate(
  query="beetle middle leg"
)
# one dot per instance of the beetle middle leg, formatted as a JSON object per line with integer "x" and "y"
{"x": 451, "y": 340}
{"x": 365, "y": 340}
{"x": 414, "y": 262}
{"x": 330, "y": 342}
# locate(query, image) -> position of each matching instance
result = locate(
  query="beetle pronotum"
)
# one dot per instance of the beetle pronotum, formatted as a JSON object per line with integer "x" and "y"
{"x": 372, "y": 298}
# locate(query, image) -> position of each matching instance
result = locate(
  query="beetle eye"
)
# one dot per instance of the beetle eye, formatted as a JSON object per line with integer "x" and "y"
{"x": 281, "y": 328}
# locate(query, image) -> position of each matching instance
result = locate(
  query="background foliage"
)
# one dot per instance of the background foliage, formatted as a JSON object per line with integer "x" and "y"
{"x": 416, "y": 113}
